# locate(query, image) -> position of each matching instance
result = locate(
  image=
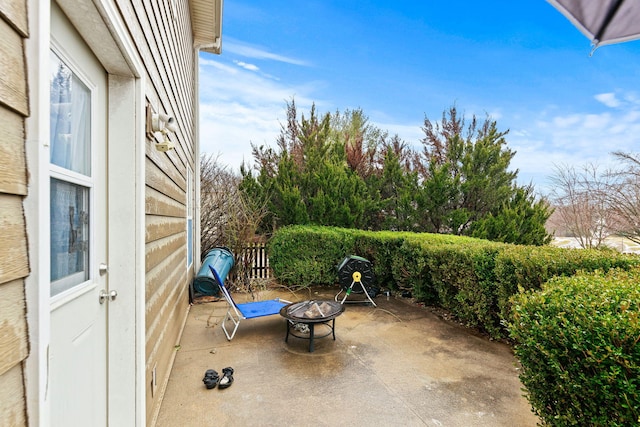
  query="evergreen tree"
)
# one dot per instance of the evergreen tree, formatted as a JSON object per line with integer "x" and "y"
{"x": 519, "y": 220}
{"x": 438, "y": 198}
{"x": 468, "y": 175}
{"x": 397, "y": 188}
{"x": 308, "y": 179}
{"x": 338, "y": 169}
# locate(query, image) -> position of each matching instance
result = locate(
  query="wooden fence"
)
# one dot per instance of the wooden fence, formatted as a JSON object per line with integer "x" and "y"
{"x": 255, "y": 255}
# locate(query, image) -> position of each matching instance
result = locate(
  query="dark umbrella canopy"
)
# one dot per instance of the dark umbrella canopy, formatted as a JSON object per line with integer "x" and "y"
{"x": 603, "y": 21}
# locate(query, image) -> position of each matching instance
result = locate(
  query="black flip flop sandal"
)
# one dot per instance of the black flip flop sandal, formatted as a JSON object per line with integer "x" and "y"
{"x": 211, "y": 378}
{"x": 227, "y": 378}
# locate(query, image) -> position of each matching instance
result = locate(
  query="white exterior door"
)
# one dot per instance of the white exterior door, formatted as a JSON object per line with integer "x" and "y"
{"x": 79, "y": 291}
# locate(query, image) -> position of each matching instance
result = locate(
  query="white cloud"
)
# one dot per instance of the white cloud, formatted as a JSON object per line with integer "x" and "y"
{"x": 566, "y": 121}
{"x": 204, "y": 62}
{"x": 597, "y": 121}
{"x": 632, "y": 98}
{"x": 249, "y": 51}
{"x": 608, "y": 99}
{"x": 495, "y": 115}
{"x": 631, "y": 116}
{"x": 574, "y": 139}
{"x": 228, "y": 129}
{"x": 239, "y": 106}
{"x": 221, "y": 82}
{"x": 409, "y": 133}
{"x": 250, "y": 67}
{"x": 620, "y": 99}
{"x": 534, "y": 163}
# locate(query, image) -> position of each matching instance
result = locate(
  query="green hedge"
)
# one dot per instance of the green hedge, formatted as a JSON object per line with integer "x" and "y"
{"x": 472, "y": 278}
{"x": 301, "y": 256}
{"x": 463, "y": 276}
{"x": 521, "y": 268}
{"x": 453, "y": 272}
{"x": 578, "y": 343}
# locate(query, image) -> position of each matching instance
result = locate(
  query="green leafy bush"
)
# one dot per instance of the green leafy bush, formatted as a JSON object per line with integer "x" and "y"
{"x": 304, "y": 255}
{"x": 472, "y": 278}
{"x": 578, "y": 342}
{"x": 528, "y": 267}
{"x": 468, "y": 292}
{"x": 410, "y": 272}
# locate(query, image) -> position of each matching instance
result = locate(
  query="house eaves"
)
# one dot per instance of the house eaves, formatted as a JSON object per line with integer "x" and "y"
{"x": 206, "y": 18}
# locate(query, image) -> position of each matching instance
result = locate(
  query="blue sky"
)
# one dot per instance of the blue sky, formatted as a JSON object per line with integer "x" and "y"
{"x": 521, "y": 62}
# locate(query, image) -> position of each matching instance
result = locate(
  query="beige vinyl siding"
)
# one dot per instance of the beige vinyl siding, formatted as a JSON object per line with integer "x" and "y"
{"x": 13, "y": 328}
{"x": 15, "y": 13}
{"x": 14, "y": 261}
{"x": 158, "y": 227}
{"x": 13, "y": 169}
{"x": 167, "y": 71}
{"x": 164, "y": 40}
{"x": 12, "y": 399}
{"x": 13, "y": 85}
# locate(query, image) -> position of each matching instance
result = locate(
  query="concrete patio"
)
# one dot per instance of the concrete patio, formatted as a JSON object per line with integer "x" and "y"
{"x": 395, "y": 364}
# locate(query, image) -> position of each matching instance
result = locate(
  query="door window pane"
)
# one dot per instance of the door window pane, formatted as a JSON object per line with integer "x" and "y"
{"x": 69, "y": 235}
{"x": 70, "y": 132}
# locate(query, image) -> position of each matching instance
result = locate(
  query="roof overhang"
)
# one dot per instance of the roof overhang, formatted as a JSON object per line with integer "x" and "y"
{"x": 206, "y": 19}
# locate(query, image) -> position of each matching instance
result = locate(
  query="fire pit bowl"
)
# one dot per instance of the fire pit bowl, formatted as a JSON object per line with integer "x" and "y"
{"x": 302, "y": 317}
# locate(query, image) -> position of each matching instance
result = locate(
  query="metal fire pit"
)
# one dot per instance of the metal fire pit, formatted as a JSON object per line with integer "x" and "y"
{"x": 302, "y": 318}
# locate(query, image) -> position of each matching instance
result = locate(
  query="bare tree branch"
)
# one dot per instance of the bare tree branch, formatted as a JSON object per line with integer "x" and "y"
{"x": 227, "y": 217}
{"x": 582, "y": 202}
{"x": 624, "y": 196}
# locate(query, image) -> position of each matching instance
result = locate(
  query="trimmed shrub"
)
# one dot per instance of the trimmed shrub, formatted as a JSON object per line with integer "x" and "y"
{"x": 463, "y": 278}
{"x": 301, "y": 256}
{"x": 472, "y": 278}
{"x": 410, "y": 272}
{"x": 528, "y": 267}
{"x": 578, "y": 342}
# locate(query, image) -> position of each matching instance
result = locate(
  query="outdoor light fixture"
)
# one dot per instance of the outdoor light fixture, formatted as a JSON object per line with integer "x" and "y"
{"x": 159, "y": 123}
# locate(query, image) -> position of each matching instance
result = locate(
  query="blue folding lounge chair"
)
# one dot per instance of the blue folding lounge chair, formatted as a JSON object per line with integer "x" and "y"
{"x": 247, "y": 310}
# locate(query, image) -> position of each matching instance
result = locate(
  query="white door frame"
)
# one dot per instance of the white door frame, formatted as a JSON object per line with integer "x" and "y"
{"x": 116, "y": 51}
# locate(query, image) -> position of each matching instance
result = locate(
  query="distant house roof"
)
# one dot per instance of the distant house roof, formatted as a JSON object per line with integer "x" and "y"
{"x": 206, "y": 17}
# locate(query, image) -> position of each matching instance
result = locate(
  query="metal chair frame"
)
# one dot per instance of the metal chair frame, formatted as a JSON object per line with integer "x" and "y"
{"x": 248, "y": 310}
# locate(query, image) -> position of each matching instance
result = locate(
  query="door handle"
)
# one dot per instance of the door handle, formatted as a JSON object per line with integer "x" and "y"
{"x": 102, "y": 297}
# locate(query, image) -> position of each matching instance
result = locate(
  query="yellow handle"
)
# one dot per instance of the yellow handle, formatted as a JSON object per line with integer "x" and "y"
{"x": 356, "y": 276}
